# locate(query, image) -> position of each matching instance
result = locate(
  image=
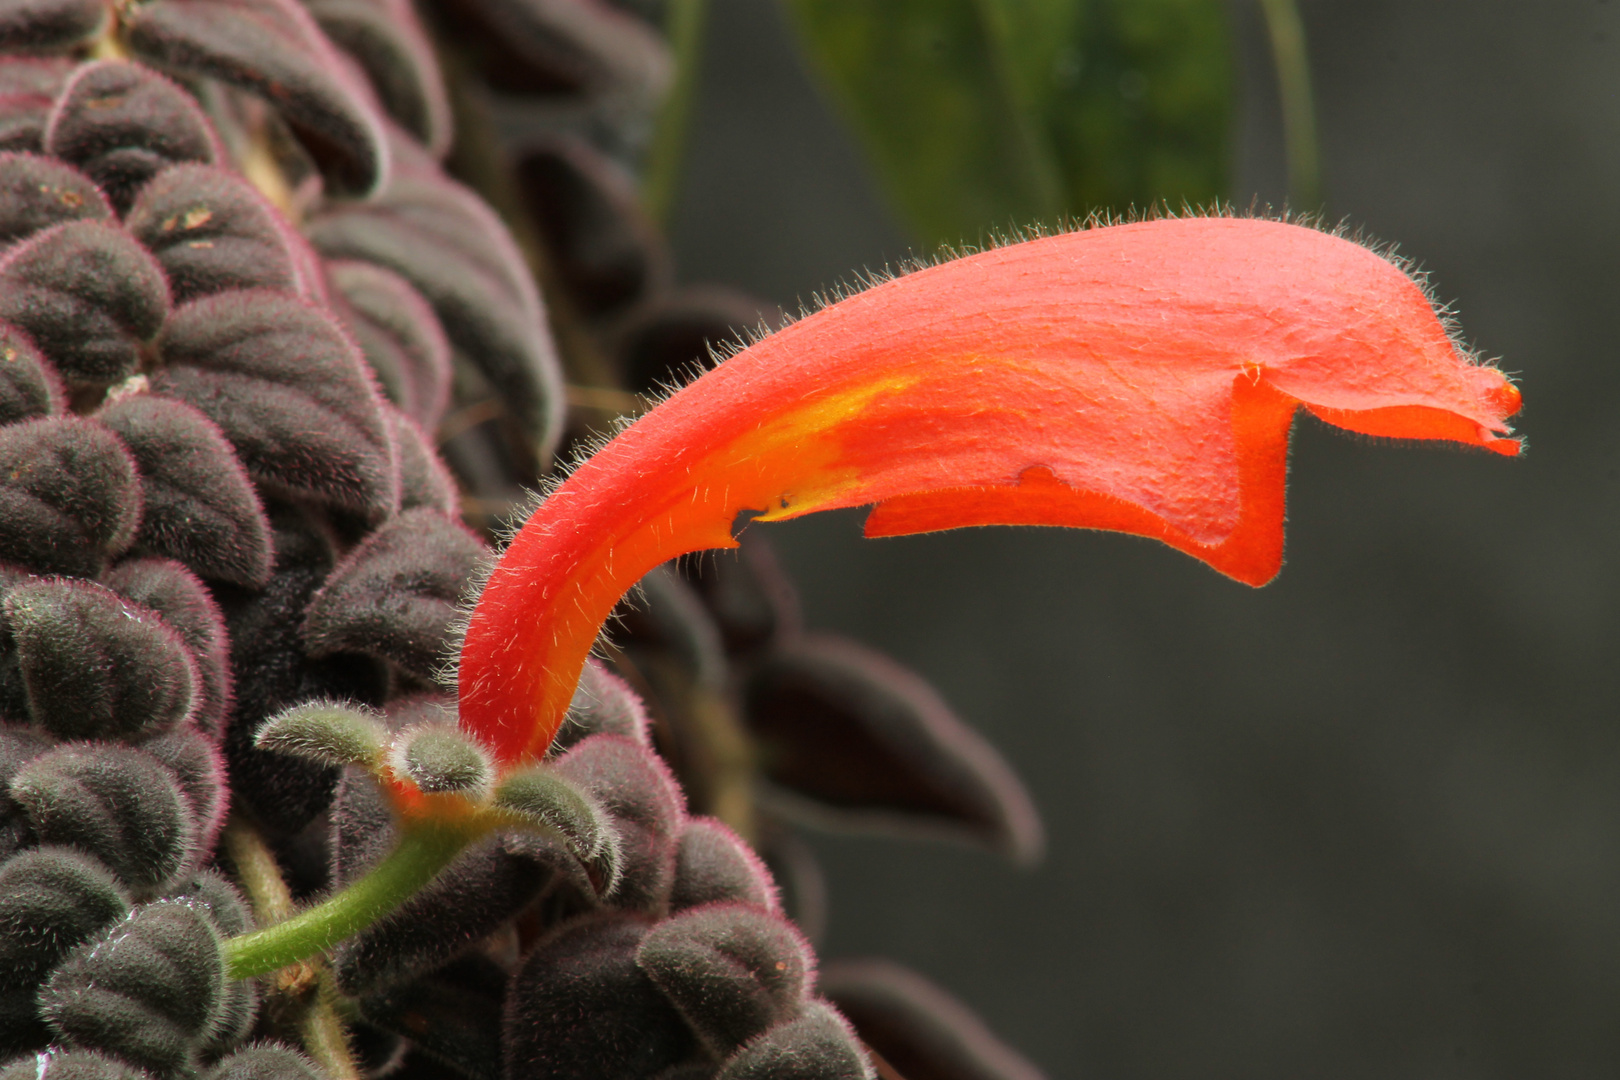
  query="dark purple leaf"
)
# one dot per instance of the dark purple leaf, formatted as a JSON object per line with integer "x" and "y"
{"x": 212, "y": 231}
{"x": 200, "y": 768}
{"x": 88, "y": 295}
{"x": 395, "y": 595}
{"x": 186, "y": 605}
{"x": 580, "y": 1008}
{"x": 750, "y": 598}
{"x": 96, "y": 666}
{"x": 424, "y": 480}
{"x": 273, "y": 48}
{"x": 400, "y": 335}
{"x": 28, "y": 26}
{"x": 390, "y": 44}
{"x": 603, "y": 704}
{"x": 70, "y": 497}
{"x": 676, "y": 335}
{"x": 453, "y": 249}
{"x": 28, "y": 88}
{"x": 866, "y": 741}
{"x": 918, "y": 1028}
{"x": 453, "y": 1017}
{"x": 28, "y": 385}
{"x": 36, "y": 193}
{"x": 586, "y": 48}
{"x": 200, "y": 506}
{"x": 817, "y": 1046}
{"x": 733, "y": 970}
{"x": 265, "y": 1061}
{"x": 714, "y": 865}
{"x": 123, "y": 124}
{"x": 290, "y": 392}
{"x": 70, "y": 1065}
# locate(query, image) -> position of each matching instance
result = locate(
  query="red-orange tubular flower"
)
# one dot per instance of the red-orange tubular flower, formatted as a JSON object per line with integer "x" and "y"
{"x": 1141, "y": 378}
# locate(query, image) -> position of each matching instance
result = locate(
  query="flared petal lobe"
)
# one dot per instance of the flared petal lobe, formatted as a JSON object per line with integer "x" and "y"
{"x": 1141, "y": 378}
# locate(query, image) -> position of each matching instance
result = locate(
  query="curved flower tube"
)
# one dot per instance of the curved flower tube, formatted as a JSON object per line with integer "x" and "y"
{"x": 1140, "y": 378}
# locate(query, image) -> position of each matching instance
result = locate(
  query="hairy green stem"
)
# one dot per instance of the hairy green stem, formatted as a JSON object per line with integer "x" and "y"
{"x": 1299, "y": 113}
{"x": 423, "y": 850}
{"x": 684, "y": 27}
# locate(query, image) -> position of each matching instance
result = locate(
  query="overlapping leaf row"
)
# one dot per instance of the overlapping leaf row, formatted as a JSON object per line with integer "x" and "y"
{"x": 204, "y": 486}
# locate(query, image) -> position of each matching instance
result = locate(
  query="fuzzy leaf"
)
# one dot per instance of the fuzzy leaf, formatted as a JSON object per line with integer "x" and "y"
{"x": 588, "y": 49}
{"x": 918, "y": 1028}
{"x": 714, "y": 865}
{"x": 289, "y": 391}
{"x": 28, "y": 385}
{"x": 69, "y": 495}
{"x": 71, "y": 1065}
{"x": 1141, "y": 378}
{"x": 606, "y": 250}
{"x": 200, "y": 506}
{"x": 123, "y": 123}
{"x": 273, "y": 673}
{"x": 395, "y": 596}
{"x": 870, "y": 742}
{"x": 732, "y": 970}
{"x": 452, "y": 248}
{"x": 424, "y": 480}
{"x": 88, "y": 295}
{"x": 454, "y": 1017}
{"x": 484, "y": 888}
{"x": 645, "y": 805}
{"x": 95, "y": 666}
{"x": 36, "y": 193}
{"x": 438, "y": 758}
{"x": 115, "y": 802}
{"x": 190, "y": 611}
{"x": 273, "y": 48}
{"x": 51, "y": 899}
{"x": 219, "y": 900}
{"x": 587, "y": 968}
{"x": 324, "y": 732}
{"x": 49, "y": 25}
{"x": 541, "y": 797}
{"x": 400, "y": 335}
{"x": 199, "y": 766}
{"x": 752, "y": 601}
{"x": 390, "y": 44}
{"x": 265, "y": 1061}
{"x": 816, "y": 1046}
{"x": 148, "y": 990}
{"x": 18, "y": 746}
{"x": 603, "y": 704}
{"x": 212, "y": 231}
{"x": 28, "y": 89}
{"x": 679, "y": 332}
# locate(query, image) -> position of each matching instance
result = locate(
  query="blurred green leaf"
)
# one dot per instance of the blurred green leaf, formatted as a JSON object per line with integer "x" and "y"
{"x": 991, "y": 114}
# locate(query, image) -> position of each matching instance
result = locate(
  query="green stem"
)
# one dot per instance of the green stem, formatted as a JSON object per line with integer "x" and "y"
{"x": 1299, "y": 113}
{"x": 423, "y": 851}
{"x": 684, "y": 27}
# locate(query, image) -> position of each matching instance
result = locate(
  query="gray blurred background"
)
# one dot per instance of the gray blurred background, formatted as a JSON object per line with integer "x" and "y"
{"x": 1364, "y": 821}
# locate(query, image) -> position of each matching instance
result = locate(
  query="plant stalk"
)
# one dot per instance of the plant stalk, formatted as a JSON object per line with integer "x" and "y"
{"x": 1293, "y": 66}
{"x": 424, "y": 849}
{"x": 684, "y": 28}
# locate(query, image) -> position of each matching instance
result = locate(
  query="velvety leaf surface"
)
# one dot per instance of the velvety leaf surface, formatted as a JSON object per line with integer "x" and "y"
{"x": 123, "y": 123}
{"x": 603, "y": 704}
{"x": 70, "y": 497}
{"x": 199, "y": 766}
{"x": 51, "y": 899}
{"x": 645, "y": 803}
{"x": 452, "y": 1016}
{"x": 289, "y": 391}
{"x": 980, "y": 114}
{"x": 670, "y": 336}
{"x": 200, "y": 507}
{"x": 918, "y": 1028}
{"x": 49, "y": 25}
{"x": 583, "y": 48}
{"x": 273, "y": 672}
{"x": 390, "y": 44}
{"x": 714, "y": 865}
{"x": 444, "y": 241}
{"x": 733, "y": 971}
{"x": 115, "y": 802}
{"x": 395, "y": 595}
{"x": 424, "y": 479}
{"x": 605, "y": 248}
{"x": 18, "y": 746}
{"x": 71, "y": 1065}
{"x": 28, "y": 385}
{"x": 28, "y": 89}
{"x": 266, "y": 1061}
{"x": 816, "y": 1046}
{"x": 95, "y": 666}
{"x": 148, "y": 990}
{"x": 580, "y": 1008}
{"x": 88, "y": 295}
{"x": 37, "y": 192}
{"x": 400, "y": 335}
{"x": 185, "y": 604}
{"x": 212, "y": 231}
{"x": 863, "y": 736}
{"x": 750, "y": 598}
{"x": 273, "y": 48}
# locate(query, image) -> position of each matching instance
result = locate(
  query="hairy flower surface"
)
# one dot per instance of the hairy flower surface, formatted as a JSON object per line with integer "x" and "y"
{"x": 1140, "y": 378}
